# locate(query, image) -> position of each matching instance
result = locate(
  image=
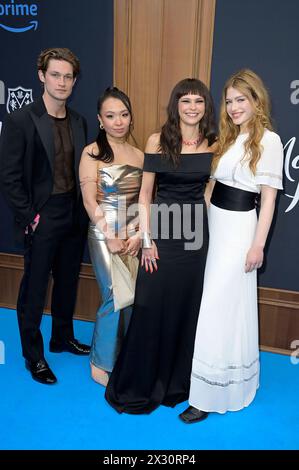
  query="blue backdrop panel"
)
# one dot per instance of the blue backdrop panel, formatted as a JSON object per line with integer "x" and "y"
{"x": 263, "y": 35}
{"x": 26, "y": 28}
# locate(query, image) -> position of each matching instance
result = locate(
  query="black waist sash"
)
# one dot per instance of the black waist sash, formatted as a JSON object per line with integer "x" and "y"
{"x": 232, "y": 199}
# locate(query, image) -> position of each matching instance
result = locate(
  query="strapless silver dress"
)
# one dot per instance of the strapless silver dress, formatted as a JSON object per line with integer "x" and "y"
{"x": 118, "y": 187}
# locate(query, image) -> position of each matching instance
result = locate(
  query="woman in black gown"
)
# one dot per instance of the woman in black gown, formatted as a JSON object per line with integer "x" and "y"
{"x": 155, "y": 362}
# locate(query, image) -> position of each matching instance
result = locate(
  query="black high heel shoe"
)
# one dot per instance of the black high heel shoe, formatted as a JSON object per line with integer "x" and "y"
{"x": 193, "y": 415}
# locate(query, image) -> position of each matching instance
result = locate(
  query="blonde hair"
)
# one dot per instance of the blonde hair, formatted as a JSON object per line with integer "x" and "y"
{"x": 250, "y": 85}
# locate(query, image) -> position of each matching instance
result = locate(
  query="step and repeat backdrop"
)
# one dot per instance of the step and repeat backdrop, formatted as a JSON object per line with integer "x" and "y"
{"x": 29, "y": 26}
{"x": 263, "y": 35}
{"x": 259, "y": 34}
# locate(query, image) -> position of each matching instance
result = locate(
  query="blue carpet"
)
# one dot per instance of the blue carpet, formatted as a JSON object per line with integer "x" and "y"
{"x": 73, "y": 414}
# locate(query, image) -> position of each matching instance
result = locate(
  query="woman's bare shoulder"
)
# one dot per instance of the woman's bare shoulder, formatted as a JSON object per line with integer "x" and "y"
{"x": 153, "y": 143}
{"x": 137, "y": 151}
{"x": 138, "y": 155}
{"x": 91, "y": 150}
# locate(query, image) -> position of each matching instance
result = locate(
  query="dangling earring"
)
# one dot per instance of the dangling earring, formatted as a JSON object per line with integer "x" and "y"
{"x": 101, "y": 126}
{"x": 131, "y": 126}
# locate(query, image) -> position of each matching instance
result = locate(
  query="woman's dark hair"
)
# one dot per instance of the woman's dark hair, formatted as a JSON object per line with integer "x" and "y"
{"x": 171, "y": 137}
{"x": 105, "y": 151}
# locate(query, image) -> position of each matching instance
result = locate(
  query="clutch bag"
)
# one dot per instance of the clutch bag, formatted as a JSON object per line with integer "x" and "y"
{"x": 123, "y": 274}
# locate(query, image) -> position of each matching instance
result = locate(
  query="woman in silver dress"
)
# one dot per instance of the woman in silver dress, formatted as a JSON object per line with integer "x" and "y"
{"x": 110, "y": 176}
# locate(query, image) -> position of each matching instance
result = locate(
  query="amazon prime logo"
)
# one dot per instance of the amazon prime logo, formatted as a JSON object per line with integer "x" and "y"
{"x": 12, "y": 15}
{"x": 18, "y": 97}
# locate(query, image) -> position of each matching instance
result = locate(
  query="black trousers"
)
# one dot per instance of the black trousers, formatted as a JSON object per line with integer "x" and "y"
{"x": 56, "y": 245}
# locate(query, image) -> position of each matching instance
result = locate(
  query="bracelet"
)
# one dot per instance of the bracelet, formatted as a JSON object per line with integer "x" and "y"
{"x": 146, "y": 240}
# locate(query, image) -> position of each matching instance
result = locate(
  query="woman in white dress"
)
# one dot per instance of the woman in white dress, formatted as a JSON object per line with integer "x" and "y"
{"x": 248, "y": 161}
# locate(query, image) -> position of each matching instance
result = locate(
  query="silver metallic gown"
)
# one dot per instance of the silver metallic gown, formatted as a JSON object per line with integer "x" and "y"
{"x": 118, "y": 187}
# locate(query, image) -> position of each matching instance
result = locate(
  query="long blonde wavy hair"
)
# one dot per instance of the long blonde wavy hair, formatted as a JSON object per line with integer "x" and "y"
{"x": 250, "y": 85}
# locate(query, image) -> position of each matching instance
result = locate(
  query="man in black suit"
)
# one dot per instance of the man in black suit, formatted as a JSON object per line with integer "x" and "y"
{"x": 40, "y": 149}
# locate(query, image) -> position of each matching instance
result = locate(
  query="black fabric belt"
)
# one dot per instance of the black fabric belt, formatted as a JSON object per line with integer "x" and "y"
{"x": 233, "y": 199}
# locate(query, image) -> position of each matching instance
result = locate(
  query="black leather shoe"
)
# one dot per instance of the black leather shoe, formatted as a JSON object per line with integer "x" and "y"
{"x": 71, "y": 345}
{"x": 41, "y": 372}
{"x": 193, "y": 415}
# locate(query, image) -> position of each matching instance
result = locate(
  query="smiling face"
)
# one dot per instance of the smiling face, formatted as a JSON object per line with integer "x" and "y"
{"x": 191, "y": 109}
{"x": 239, "y": 108}
{"x": 115, "y": 118}
{"x": 58, "y": 79}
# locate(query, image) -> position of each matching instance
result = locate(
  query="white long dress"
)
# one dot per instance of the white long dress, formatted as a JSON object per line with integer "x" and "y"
{"x": 225, "y": 370}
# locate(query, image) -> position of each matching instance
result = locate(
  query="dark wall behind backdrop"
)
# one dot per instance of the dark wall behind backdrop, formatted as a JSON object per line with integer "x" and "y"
{"x": 86, "y": 27}
{"x": 264, "y": 35}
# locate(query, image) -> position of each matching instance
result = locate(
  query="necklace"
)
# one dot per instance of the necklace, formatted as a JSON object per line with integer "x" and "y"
{"x": 192, "y": 142}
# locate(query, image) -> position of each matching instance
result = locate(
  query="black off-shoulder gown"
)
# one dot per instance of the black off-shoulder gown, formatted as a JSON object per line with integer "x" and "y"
{"x": 154, "y": 365}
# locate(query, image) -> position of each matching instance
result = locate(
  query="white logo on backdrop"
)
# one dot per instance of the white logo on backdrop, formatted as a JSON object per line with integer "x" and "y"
{"x": 291, "y": 163}
{"x": 295, "y": 94}
{"x": 2, "y": 92}
{"x": 17, "y": 98}
{"x": 2, "y": 98}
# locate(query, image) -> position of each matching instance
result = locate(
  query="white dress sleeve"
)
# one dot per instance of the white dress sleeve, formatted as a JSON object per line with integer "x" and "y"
{"x": 270, "y": 165}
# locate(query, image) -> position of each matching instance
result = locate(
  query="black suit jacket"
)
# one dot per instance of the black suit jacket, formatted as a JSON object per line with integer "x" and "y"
{"x": 27, "y": 158}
